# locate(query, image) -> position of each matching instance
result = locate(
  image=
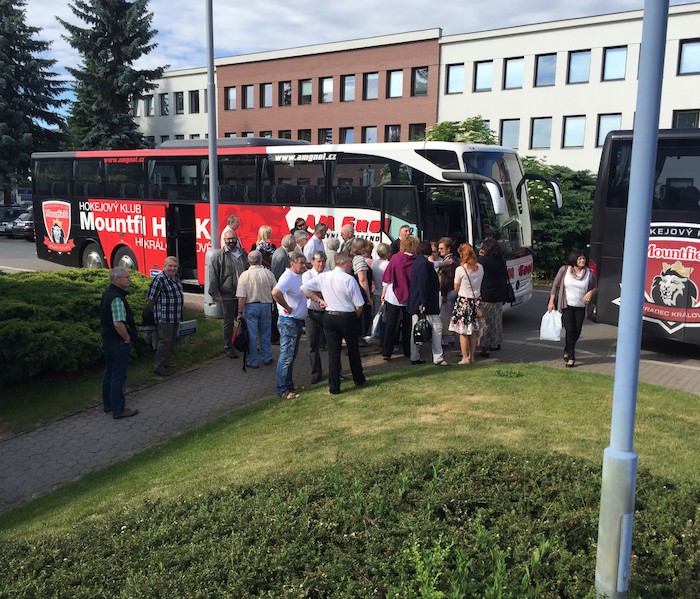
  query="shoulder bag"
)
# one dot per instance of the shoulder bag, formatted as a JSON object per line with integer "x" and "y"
{"x": 477, "y": 301}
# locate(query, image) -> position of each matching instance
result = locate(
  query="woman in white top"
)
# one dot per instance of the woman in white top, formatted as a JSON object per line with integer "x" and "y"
{"x": 464, "y": 319}
{"x": 573, "y": 287}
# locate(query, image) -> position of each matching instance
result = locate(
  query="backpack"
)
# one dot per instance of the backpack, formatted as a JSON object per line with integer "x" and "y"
{"x": 240, "y": 339}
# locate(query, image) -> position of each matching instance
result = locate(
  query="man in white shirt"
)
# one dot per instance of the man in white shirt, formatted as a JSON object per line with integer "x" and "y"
{"x": 291, "y": 305}
{"x": 338, "y": 293}
{"x": 232, "y": 223}
{"x": 314, "y": 321}
{"x": 315, "y": 243}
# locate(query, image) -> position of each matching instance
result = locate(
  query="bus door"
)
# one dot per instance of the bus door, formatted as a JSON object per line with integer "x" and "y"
{"x": 152, "y": 247}
{"x": 181, "y": 240}
{"x": 445, "y": 213}
{"x": 399, "y": 206}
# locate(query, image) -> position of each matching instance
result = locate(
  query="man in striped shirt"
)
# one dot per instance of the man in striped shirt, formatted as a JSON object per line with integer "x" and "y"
{"x": 165, "y": 298}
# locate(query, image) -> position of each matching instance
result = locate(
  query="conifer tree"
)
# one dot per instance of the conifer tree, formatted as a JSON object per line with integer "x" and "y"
{"x": 117, "y": 34}
{"x": 29, "y": 95}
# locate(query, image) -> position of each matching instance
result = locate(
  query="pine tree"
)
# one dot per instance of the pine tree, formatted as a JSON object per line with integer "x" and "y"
{"x": 29, "y": 95}
{"x": 118, "y": 33}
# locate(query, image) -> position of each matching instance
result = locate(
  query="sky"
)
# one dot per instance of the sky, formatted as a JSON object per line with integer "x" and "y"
{"x": 260, "y": 25}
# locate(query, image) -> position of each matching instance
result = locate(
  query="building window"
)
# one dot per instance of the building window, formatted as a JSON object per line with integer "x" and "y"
{"x": 194, "y": 101}
{"x": 325, "y": 90}
{"x": 369, "y": 135}
{"x": 392, "y": 133}
{"x": 248, "y": 97}
{"x": 266, "y": 95}
{"x": 230, "y": 134}
{"x": 419, "y": 81}
{"x": 614, "y": 63}
{"x": 150, "y": 141}
{"x": 179, "y": 137}
{"x": 686, "y": 119}
{"x": 510, "y": 133}
{"x": 325, "y": 136}
{"x": 305, "y": 91}
{"x": 607, "y": 123}
{"x": 394, "y": 84}
{"x": 164, "y": 102}
{"x": 247, "y": 134}
{"x": 416, "y": 131}
{"x": 164, "y": 138}
{"x": 150, "y": 108}
{"x": 179, "y": 103}
{"x": 579, "y": 66}
{"x": 347, "y": 135}
{"x": 574, "y": 130}
{"x": 513, "y": 72}
{"x": 194, "y": 136}
{"x": 304, "y": 134}
{"x": 135, "y": 107}
{"x": 371, "y": 86}
{"x": 284, "y": 134}
{"x": 483, "y": 76}
{"x": 230, "y": 98}
{"x": 266, "y": 134}
{"x": 689, "y": 57}
{"x": 285, "y": 91}
{"x": 455, "y": 79}
{"x": 541, "y": 134}
{"x": 347, "y": 91}
{"x": 545, "y": 70}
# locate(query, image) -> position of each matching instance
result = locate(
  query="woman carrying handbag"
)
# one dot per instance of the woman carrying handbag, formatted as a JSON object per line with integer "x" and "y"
{"x": 465, "y": 315}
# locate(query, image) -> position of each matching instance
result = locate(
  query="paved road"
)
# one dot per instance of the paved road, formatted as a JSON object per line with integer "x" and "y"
{"x": 36, "y": 462}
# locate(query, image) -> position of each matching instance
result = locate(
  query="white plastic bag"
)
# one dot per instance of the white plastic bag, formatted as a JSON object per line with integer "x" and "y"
{"x": 550, "y": 327}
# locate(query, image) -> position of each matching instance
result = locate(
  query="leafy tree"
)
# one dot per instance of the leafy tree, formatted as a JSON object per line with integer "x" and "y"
{"x": 473, "y": 130}
{"x": 29, "y": 95}
{"x": 556, "y": 232}
{"x": 118, "y": 33}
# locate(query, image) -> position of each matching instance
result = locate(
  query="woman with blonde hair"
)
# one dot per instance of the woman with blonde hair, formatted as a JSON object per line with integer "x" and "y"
{"x": 264, "y": 245}
{"x": 464, "y": 319}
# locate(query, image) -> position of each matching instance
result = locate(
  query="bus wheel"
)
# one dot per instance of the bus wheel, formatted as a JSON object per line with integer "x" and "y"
{"x": 124, "y": 257}
{"x": 93, "y": 257}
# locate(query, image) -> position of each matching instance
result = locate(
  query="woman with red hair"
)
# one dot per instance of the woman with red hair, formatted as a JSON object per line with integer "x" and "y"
{"x": 464, "y": 319}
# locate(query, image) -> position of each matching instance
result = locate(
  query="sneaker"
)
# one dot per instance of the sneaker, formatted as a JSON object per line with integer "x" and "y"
{"x": 126, "y": 413}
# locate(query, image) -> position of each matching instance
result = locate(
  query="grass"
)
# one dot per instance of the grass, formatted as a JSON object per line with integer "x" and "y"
{"x": 520, "y": 408}
{"x": 24, "y": 406}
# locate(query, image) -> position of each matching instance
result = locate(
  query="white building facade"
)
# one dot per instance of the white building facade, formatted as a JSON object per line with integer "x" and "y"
{"x": 551, "y": 90}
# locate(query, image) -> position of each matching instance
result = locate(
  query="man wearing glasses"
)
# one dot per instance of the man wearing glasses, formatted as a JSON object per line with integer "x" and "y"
{"x": 404, "y": 231}
{"x": 118, "y": 331}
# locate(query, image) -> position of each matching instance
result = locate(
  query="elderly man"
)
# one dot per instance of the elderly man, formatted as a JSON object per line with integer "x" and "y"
{"x": 314, "y": 320}
{"x": 282, "y": 255}
{"x": 291, "y": 304}
{"x": 347, "y": 234}
{"x": 227, "y": 265}
{"x": 165, "y": 298}
{"x": 338, "y": 293}
{"x": 301, "y": 238}
{"x": 254, "y": 294}
{"x": 404, "y": 231}
{"x": 232, "y": 223}
{"x": 315, "y": 243}
{"x": 118, "y": 331}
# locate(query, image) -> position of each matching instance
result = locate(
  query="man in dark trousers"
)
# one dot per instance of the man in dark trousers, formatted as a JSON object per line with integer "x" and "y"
{"x": 338, "y": 293}
{"x": 118, "y": 331}
{"x": 165, "y": 298}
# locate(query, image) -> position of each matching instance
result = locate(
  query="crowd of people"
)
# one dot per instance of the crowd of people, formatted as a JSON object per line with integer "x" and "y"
{"x": 333, "y": 289}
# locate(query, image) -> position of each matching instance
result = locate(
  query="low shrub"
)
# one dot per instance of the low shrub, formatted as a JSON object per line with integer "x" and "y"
{"x": 49, "y": 321}
{"x": 477, "y": 524}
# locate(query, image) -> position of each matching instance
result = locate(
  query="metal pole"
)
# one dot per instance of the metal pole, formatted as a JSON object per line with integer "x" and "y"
{"x": 620, "y": 460}
{"x": 210, "y": 307}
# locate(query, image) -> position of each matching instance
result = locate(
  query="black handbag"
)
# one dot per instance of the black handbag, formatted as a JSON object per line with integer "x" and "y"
{"x": 510, "y": 294}
{"x": 422, "y": 331}
{"x": 240, "y": 339}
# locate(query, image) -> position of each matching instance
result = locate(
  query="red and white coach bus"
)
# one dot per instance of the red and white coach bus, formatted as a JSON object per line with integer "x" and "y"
{"x": 671, "y": 302}
{"x": 135, "y": 207}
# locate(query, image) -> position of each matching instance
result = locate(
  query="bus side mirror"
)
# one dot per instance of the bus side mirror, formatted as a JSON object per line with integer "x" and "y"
{"x": 553, "y": 183}
{"x": 492, "y": 186}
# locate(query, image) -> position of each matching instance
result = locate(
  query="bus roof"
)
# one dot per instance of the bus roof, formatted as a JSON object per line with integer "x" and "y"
{"x": 663, "y": 134}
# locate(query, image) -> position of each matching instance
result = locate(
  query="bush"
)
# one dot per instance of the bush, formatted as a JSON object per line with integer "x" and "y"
{"x": 478, "y": 524}
{"x": 49, "y": 321}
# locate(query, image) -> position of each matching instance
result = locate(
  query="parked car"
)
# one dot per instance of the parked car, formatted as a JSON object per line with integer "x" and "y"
{"x": 8, "y": 214}
{"x": 23, "y": 226}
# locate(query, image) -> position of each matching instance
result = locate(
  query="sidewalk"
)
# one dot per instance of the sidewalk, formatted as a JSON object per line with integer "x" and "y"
{"x": 36, "y": 462}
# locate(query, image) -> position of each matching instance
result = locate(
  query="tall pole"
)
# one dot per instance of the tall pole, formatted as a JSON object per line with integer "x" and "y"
{"x": 620, "y": 460}
{"x": 210, "y": 307}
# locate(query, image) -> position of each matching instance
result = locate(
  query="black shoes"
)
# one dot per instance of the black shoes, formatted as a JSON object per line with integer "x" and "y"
{"x": 316, "y": 378}
{"x": 126, "y": 413}
{"x": 416, "y": 362}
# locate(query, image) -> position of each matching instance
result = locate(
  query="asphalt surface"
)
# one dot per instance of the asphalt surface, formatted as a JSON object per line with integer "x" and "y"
{"x": 39, "y": 461}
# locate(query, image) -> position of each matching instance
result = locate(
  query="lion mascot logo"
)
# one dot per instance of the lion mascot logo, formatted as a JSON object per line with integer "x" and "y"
{"x": 673, "y": 287}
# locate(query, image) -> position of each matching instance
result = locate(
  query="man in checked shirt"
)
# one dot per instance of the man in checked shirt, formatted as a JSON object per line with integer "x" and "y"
{"x": 165, "y": 298}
